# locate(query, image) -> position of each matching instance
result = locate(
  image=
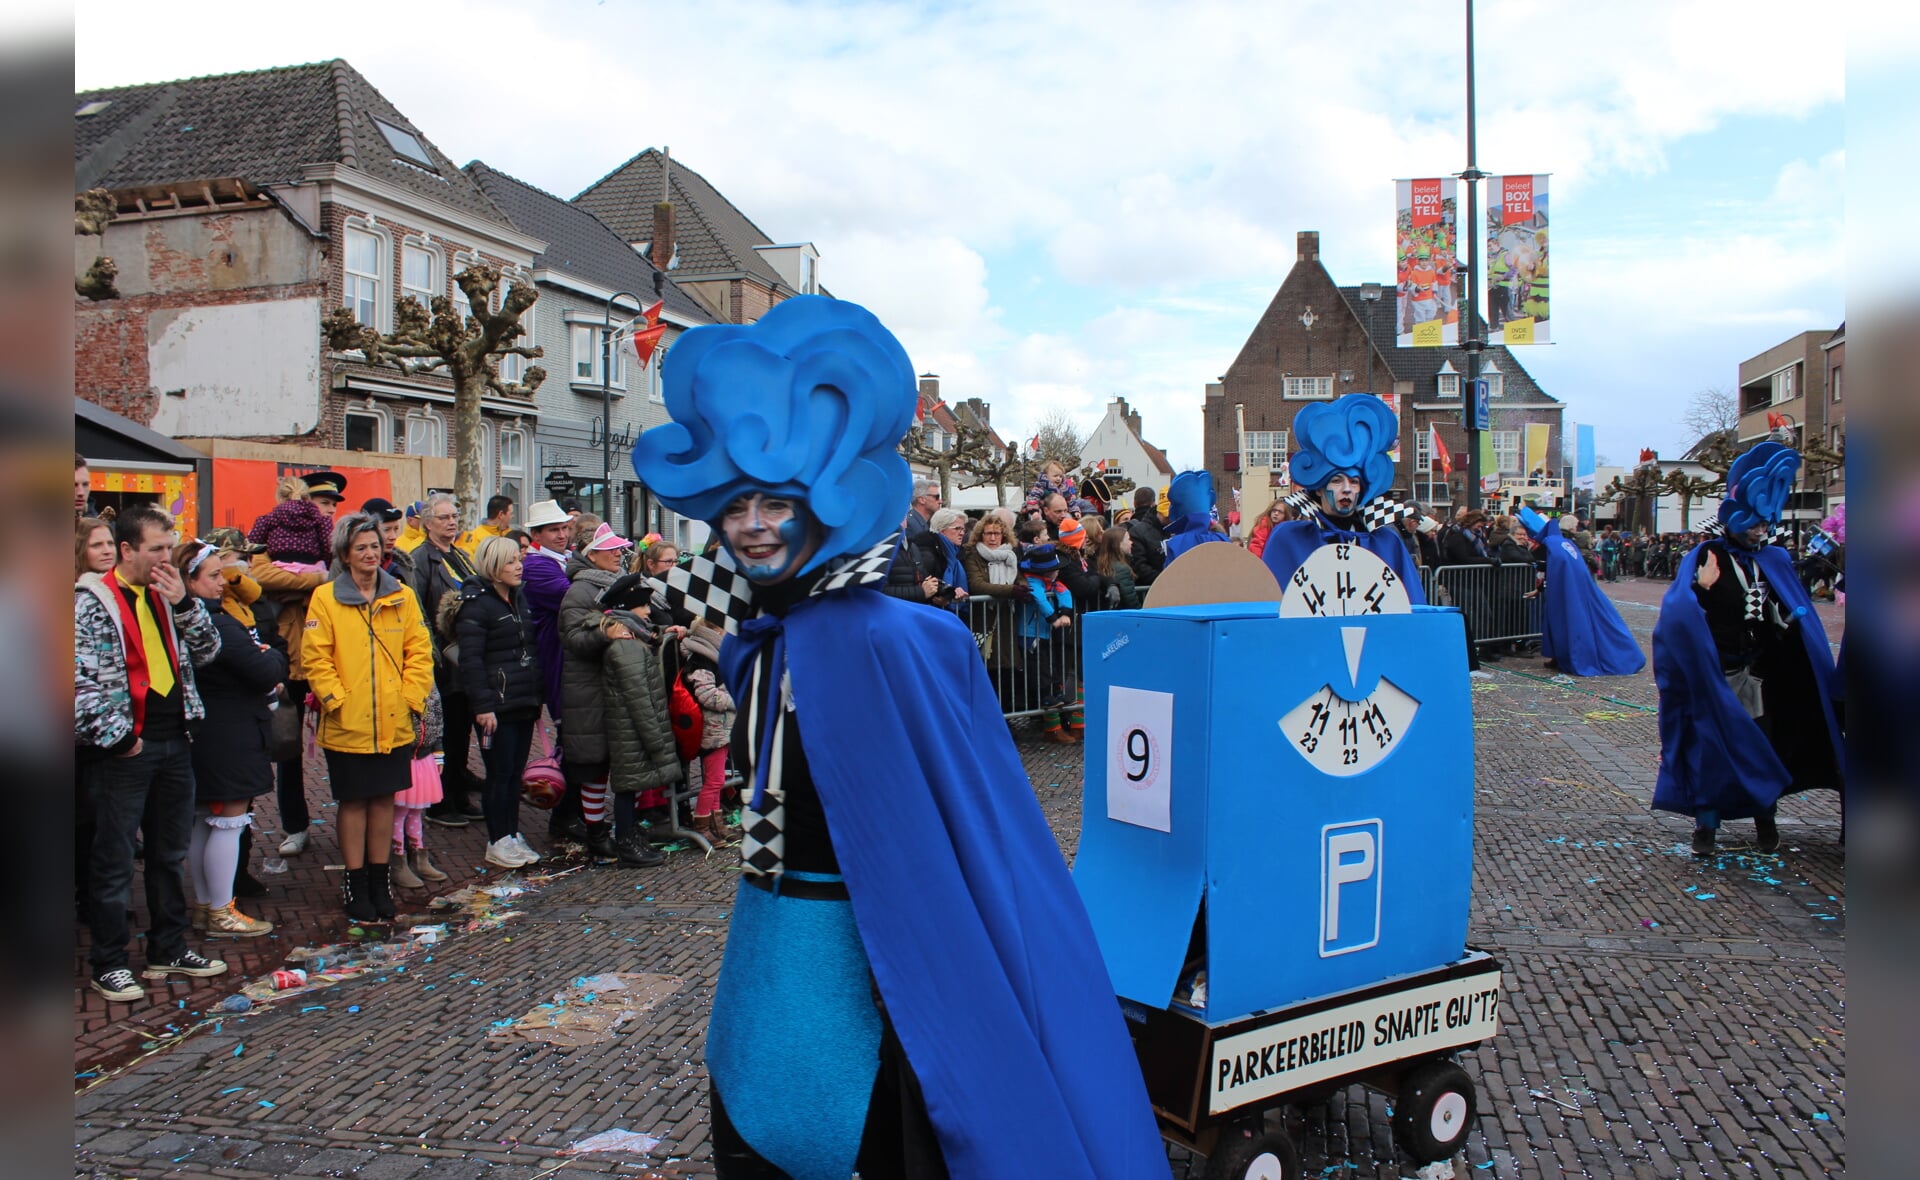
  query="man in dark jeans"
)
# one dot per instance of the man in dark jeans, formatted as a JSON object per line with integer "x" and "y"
{"x": 439, "y": 567}
{"x": 137, "y": 639}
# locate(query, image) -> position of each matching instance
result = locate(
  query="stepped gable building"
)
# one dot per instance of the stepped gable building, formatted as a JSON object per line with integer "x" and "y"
{"x": 1318, "y": 340}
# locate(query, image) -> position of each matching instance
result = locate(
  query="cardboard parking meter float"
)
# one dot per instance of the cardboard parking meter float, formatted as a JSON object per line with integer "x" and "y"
{"x": 1279, "y": 795}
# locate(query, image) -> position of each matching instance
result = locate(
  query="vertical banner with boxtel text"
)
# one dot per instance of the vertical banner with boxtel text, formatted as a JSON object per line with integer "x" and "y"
{"x": 1426, "y": 266}
{"x": 1517, "y": 309}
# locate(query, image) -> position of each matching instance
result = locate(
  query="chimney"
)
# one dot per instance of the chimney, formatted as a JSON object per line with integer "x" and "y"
{"x": 1308, "y": 245}
{"x": 930, "y": 388}
{"x": 981, "y": 411}
{"x": 661, "y": 251}
{"x": 1133, "y": 422}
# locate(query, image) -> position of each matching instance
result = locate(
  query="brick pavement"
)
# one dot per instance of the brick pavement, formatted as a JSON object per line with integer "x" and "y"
{"x": 1665, "y": 1016}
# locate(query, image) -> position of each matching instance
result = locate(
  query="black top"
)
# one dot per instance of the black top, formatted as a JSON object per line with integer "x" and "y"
{"x": 1736, "y": 639}
{"x": 809, "y": 844}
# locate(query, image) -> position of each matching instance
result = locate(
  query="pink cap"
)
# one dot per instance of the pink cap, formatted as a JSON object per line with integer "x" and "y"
{"x": 605, "y": 538}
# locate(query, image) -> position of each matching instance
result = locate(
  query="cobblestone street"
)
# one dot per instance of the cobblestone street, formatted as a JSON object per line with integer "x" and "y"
{"x": 1665, "y": 1016}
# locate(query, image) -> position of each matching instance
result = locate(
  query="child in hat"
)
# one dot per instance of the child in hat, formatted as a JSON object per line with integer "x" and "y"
{"x": 1046, "y": 623}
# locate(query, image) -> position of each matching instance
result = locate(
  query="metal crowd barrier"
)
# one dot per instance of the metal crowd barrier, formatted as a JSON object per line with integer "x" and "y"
{"x": 1030, "y": 678}
{"x": 1498, "y": 600}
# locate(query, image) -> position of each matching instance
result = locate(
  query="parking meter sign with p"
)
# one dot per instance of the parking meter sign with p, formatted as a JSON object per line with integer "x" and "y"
{"x": 1317, "y": 797}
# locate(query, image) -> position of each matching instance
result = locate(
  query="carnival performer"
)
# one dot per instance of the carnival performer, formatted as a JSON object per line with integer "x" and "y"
{"x": 911, "y": 985}
{"x": 1344, "y": 464}
{"x": 1190, "y": 520}
{"x": 1745, "y": 674}
{"x": 1581, "y": 630}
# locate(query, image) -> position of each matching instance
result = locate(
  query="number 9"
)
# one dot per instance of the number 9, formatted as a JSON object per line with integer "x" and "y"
{"x": 1139, "y": 752}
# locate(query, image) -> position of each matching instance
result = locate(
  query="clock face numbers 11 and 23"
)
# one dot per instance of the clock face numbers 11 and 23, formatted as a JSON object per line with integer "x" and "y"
{"x": 1344, "y": 579}
{"x": 1341, "y": 737}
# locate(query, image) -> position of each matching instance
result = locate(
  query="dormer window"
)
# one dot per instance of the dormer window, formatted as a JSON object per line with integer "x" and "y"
{"x": 1490, "y": 373}
{"x": 1449, "y": 381}
{"x": 406, "y": 145}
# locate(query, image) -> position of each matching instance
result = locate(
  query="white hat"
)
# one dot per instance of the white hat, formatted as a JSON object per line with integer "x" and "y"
{"x": 546, "y": 512}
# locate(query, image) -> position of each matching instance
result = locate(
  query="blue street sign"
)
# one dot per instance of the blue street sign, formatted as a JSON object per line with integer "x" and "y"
{"x": 1481, "y": 407}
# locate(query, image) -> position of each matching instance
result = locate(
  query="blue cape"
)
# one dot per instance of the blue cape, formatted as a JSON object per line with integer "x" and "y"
{"x": 1290, "y": 543}
{"x": 1581, "y": 629}
{"x": 1712, "y": 755}
{"x": 978, "y": 941}
{"x": 1183, "y": 533}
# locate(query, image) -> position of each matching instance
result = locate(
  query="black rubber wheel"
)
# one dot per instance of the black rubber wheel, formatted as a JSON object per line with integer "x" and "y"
{"x": 1248, "y": 1153}
{"x": 1434, "y": 1112}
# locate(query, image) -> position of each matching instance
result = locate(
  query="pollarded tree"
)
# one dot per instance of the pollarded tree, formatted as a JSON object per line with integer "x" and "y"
{"x": 998, "y": 466}
{"x": 466, "y": 348}
{"x": 967, "y": 446}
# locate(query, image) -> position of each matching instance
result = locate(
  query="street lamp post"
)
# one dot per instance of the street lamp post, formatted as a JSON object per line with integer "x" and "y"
{"x": 1470, "y": 338}
{"x": 606, "y": 402}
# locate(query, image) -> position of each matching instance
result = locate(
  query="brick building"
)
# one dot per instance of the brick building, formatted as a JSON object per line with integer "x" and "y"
{"x": 1791, "y": 392}
{"x": 583, "y": 268}
{"x": 684, "y": 225}
{"x": 1318, "y": 340}
{"x": 250, "y": 204}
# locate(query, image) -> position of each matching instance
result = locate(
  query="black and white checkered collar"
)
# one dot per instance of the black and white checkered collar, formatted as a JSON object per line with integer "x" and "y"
{"x": 1715, "y": 527}
{"x": 713, "y": 588}
{"x": 1374, "y": 514}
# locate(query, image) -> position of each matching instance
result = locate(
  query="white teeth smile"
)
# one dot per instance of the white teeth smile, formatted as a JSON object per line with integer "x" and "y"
{"x": 759, "y": 552}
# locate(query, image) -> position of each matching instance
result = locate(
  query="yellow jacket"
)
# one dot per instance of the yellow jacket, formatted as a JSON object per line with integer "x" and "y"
{"x": 411, "y": 536}
{"x": 470, "y": 540}
{"x": 369, "y": 664}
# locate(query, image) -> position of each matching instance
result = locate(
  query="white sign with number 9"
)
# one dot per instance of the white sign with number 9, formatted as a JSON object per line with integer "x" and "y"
{"x": 1140, "y": 757}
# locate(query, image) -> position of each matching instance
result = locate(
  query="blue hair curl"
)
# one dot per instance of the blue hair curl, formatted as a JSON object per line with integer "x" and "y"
{"x": 1350, "y": 435}
{"x": 810, "y": 402}
{"x": 1758, "y": 485}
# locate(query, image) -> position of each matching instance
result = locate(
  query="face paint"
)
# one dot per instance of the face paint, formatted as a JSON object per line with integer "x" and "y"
{"x": 770, "y": 537}
{"x": 1343, "y": 494}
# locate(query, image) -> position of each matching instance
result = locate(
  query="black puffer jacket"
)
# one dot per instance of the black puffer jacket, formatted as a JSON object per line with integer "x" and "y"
{"x": 582, "y": 682}
{"x": 499, "y": 660}
{"x": 1149, "y": 555}
{"x": 230, "y": 755}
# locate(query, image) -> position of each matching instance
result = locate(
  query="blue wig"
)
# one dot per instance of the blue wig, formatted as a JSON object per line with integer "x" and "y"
{"x": 810, "y": 402}
{"x": 1350, "y": 435}
{"x": 1190, "y": 494}
{"x": 1758, "y": 485}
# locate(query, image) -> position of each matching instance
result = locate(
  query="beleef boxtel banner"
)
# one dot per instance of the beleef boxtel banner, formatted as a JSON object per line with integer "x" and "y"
{"x": 1517, "y": 309}
{"x": 1426, "y": 263}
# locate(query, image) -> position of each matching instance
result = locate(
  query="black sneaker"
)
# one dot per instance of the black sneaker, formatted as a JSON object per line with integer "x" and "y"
{"x": 447, "y": 816}
{"x": 567, "y": 829}
{"x": 1766, "y": 834}
{"x": 1703, "y": 841}
{"x": 191, "y": 963}
{"x": 119, "y": 985}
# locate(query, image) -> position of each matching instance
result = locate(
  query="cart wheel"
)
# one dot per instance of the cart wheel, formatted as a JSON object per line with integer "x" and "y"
{"x": 1248, "y": 1153}
{"x": 1434, "y": 1112}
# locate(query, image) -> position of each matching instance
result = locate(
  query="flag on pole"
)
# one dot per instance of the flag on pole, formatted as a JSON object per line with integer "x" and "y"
{"x": 646, "y": 339}
{"x": 1439, "y": 450}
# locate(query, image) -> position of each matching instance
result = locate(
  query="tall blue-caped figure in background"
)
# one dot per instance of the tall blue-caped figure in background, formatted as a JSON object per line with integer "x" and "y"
{"x": 1581, "y": 629}
{"x": 1190, "y": 512}
{"x": 872, "y": 858}
{"x": 1345, "y": 465}
{"x": 1743, "y": 666}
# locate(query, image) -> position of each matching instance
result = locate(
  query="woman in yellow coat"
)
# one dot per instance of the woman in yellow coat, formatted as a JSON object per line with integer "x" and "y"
{"x": 369, "y": 662}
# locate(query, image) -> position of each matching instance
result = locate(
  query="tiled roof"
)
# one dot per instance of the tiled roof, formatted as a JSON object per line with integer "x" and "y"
{"x": 1422, "y": 365}
{"x": 1157, "y": 456}
{"x": 711, "y": 235}
{"x": 262, "y": 127}
{"x": 578, "y": 243}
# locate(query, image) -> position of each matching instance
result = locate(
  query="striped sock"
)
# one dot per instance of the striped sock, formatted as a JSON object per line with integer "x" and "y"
{"x": 593, "y": 801}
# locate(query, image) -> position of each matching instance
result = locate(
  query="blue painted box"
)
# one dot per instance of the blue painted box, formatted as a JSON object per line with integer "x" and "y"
{"x": 1310, "y": 781}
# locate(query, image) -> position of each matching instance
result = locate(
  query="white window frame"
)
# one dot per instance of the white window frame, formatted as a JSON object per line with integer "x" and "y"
{"x": 576, "y": 332}
{"x": 1422, "y": 458}
{"x": 436, "y": 278}
{"x": 461, "y": 261}
{"x": 1263, "y": 448}
{"x": 655, "y": 391}
{"x": 382, "y": 428}
{"x": 379, "y": 278}
{"x": 513, "y": 367}
{"x": 427, "y": 420}
{"x": 1833, "y": 382}
{"x": 1506, "y": 445}
{"x": 518, "y": 471}
{"x": 1782, "y": 385}
{"x": 1449, "y": 385}
{"x": 1307, "y": 389}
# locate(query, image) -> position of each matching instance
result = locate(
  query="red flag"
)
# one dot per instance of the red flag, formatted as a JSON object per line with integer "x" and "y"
{"x": 1440, "y": 453}
{"x": 646, "y": 339}
{"x": 1035, "y": 444}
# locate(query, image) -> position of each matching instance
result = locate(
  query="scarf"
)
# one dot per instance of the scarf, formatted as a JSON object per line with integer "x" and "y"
{"x": 1003, "y": 564}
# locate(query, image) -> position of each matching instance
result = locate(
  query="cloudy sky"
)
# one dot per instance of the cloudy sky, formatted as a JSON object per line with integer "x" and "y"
{"x": 1054, "y": 204}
